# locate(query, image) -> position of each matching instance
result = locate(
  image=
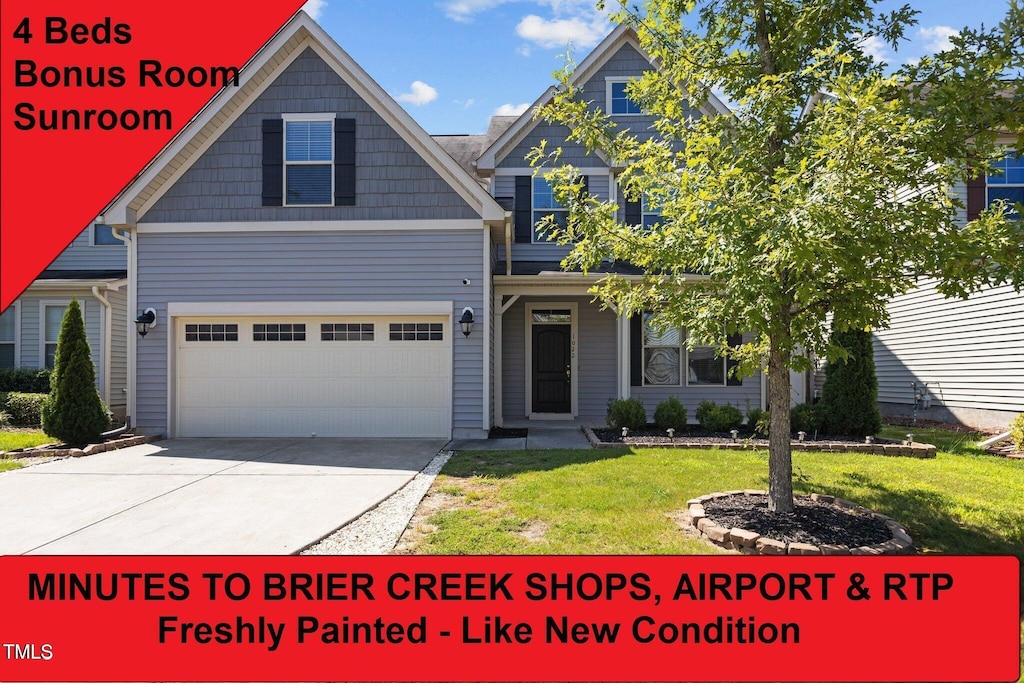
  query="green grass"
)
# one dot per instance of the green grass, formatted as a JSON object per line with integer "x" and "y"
{"x": 22, "y": 438}
{"x": 943, "y": 439}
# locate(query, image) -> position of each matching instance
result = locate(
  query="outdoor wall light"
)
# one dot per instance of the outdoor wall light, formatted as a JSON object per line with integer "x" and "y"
{"x": 145, "y": 322}
{"x": 466, "y": 321}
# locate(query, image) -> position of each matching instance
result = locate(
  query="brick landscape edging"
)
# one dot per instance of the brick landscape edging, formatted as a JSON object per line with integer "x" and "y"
{"x": 79, "y": 452}
{"x": 752, "y": 543}
{"x": 880, "y": 447}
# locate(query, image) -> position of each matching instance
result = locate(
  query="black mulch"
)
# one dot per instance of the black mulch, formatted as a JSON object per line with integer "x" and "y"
{"x": 812, "y": 522}
{"x": 507, "y": 433}
{"x": 694, "y": 434}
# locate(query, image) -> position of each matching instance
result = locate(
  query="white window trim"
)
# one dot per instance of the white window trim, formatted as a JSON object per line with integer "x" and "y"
{"x": 533, "y": 211}
{"x": 608, "y": 80}
{"x": 92, "y": 238}
{"x": 43, "y": 303}
{"x": 15, "y": 308}
{"x": 573, "y": 358}
{"x": 284, "y": 156}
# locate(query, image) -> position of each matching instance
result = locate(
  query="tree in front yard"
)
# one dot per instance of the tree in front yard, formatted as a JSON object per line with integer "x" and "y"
{"x": 849, "y": 398}
{"x": 74, "y": 412}
{"x": 821, "y": 195}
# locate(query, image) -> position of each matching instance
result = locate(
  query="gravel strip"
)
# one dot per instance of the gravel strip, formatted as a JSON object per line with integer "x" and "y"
{"x": 376, "y": 531}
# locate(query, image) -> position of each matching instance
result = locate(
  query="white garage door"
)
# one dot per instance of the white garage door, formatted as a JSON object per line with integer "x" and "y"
{"x": 288, "y": 376}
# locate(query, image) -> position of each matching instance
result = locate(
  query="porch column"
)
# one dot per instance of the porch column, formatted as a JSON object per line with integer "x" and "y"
{"x": 622, "y": 354}
{"x": 499, "y": 419}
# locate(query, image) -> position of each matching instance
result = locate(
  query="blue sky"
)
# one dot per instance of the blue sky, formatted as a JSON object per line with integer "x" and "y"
{"x": 454, "y": 63}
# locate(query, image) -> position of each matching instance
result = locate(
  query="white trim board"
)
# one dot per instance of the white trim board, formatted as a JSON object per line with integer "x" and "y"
{"x": 178, "y": 309}
{"x": 309, "y": 226}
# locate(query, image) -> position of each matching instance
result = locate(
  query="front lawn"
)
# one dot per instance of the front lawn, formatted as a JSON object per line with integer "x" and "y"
{"x": 22, "y": 438}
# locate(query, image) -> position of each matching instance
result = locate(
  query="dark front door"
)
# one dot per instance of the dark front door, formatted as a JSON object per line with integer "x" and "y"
{"x": 552, "y": 365}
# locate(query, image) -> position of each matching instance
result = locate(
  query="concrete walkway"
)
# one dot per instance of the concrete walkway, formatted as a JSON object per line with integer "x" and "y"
{"x": 540, "y": 434}
{"x": 203, "y": 496}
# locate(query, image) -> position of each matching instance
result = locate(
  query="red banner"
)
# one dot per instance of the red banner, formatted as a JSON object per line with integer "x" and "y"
{"x": 509, "y": 618}
{"x": 91, "y": 91}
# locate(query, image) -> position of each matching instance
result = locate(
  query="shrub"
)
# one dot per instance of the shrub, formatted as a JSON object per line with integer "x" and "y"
{"x": 1017, "y": 432}
{"x": 23, "y": 409}
{"x": 758, "y": 420}
{"x": 803, "y": 418}
{"x": 670, "y": 414}
{"x": 5, "y": 419}
{"x": 25, "y": 380}
{"x": 626, "y": 412}
{"x": 716, "y": 418}
{"x": 74, "y": 412}
{"x": 849, "y": 397}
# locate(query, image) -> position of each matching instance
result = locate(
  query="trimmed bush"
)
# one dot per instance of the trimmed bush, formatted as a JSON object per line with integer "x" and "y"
{"x": 1017, "y": 432}
{"x": 758, "y": 420}
{"x": 670, "y": 414}
{"x": 849, "y": 397}
{"x": 23, "y": 409}
{"x": 803, "y": 418}
{"x": 74, "y": 412}
{"x": 626, "y": 412}
{"x": 25, "y": 380}
{"x": 719, "y": 418}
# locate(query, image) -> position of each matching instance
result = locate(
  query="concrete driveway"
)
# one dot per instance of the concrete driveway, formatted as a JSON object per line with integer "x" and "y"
{"x": 203, "y": 496}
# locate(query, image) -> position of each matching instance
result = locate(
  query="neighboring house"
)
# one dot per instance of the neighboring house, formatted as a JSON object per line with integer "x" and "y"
{"x": 957, "y": 360}
{"x": 93, "y": 269}
{"x": 310, "y": 253}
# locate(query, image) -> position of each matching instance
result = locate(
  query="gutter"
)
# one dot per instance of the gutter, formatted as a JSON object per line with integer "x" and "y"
{"x": 106, "y": 342}
{"x": 126, "y": 237}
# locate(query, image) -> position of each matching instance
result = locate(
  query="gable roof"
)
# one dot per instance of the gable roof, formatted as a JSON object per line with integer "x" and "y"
{"x": 598, "y": 57}
{"x": 299, "y": 33}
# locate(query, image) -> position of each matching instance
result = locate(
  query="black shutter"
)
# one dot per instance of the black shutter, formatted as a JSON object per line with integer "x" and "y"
{"x": 976, "y": 199}
{"x": 524, "y": 209}
{"x": 634, "y": 216}
{"x": 730, "y": 363}
{"x": 273, "y": 162}
{"x": 344, "y": 162}
{"x": 636, "y": 350}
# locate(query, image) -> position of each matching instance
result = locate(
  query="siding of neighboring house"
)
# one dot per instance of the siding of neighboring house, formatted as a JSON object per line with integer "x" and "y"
{"x": 595, "y": 361}
{"x": 80, "y": 255}
{"x": 31, "y": 351}
{"x": 415, "y": 265}
{"x": 970, "y": 352}
{"x": 743, "y": 397}
{"x": 392, "y": 181}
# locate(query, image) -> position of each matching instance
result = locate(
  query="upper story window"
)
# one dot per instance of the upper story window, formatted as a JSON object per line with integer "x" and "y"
{"x": 8, "y": 339}
{"x": 309, "y": 162}
{"x": 650, "y": 213}
{"x": 545, "y": 204}
{"x": 103, "y": 236}
{"x": 1009, "y": 185}
{"x": 620, "y": 103}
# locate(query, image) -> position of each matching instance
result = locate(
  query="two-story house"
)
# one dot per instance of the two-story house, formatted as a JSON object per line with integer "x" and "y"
{"x": 94, "y": 270}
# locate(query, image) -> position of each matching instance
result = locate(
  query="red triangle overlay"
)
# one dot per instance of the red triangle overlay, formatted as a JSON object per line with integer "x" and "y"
{"x": 53, "y": 183}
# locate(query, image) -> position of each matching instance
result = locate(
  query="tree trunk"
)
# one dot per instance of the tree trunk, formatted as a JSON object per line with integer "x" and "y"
{"x": 780, "y": 459}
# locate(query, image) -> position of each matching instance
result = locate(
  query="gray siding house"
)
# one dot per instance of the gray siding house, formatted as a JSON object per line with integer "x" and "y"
{"x": 311, "y": 254}
{"x": 93, "y": 269}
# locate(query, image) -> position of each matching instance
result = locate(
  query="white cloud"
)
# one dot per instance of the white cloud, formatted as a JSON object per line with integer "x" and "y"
{"x": 314, "y": 8}
{"x": 873, "y": 46}
{"x": 419, "y": 94}
{"x": 524, "y": 51}
{"x": 463, "y": 10}
{"x": 583, "y": 32}
{"x": 511, "y": 109}
{"x": 937, "y": 37}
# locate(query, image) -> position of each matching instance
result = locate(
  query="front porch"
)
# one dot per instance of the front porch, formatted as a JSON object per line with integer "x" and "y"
{"x": 560, "y": 357}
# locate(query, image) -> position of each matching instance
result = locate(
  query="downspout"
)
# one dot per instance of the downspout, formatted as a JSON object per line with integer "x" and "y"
{"x": 106, "y": 342}
{"x": 126, "y": 237}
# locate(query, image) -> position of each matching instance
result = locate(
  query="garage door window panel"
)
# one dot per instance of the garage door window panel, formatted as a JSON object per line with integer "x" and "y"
{"x": 211, "y": 332}
{"x": 271, "y": 332}
{"x": 417, "y": 332}
{"x": 346, "y": 332}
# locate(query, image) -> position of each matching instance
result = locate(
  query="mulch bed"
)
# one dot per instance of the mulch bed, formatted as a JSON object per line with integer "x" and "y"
{"x": 812, "y": 522}
{"x": 694, "y": 434}
{"x": 507, "y": 433}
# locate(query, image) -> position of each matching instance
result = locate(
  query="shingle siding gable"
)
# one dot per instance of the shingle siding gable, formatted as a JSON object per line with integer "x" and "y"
{"x": 392, "y": 181}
